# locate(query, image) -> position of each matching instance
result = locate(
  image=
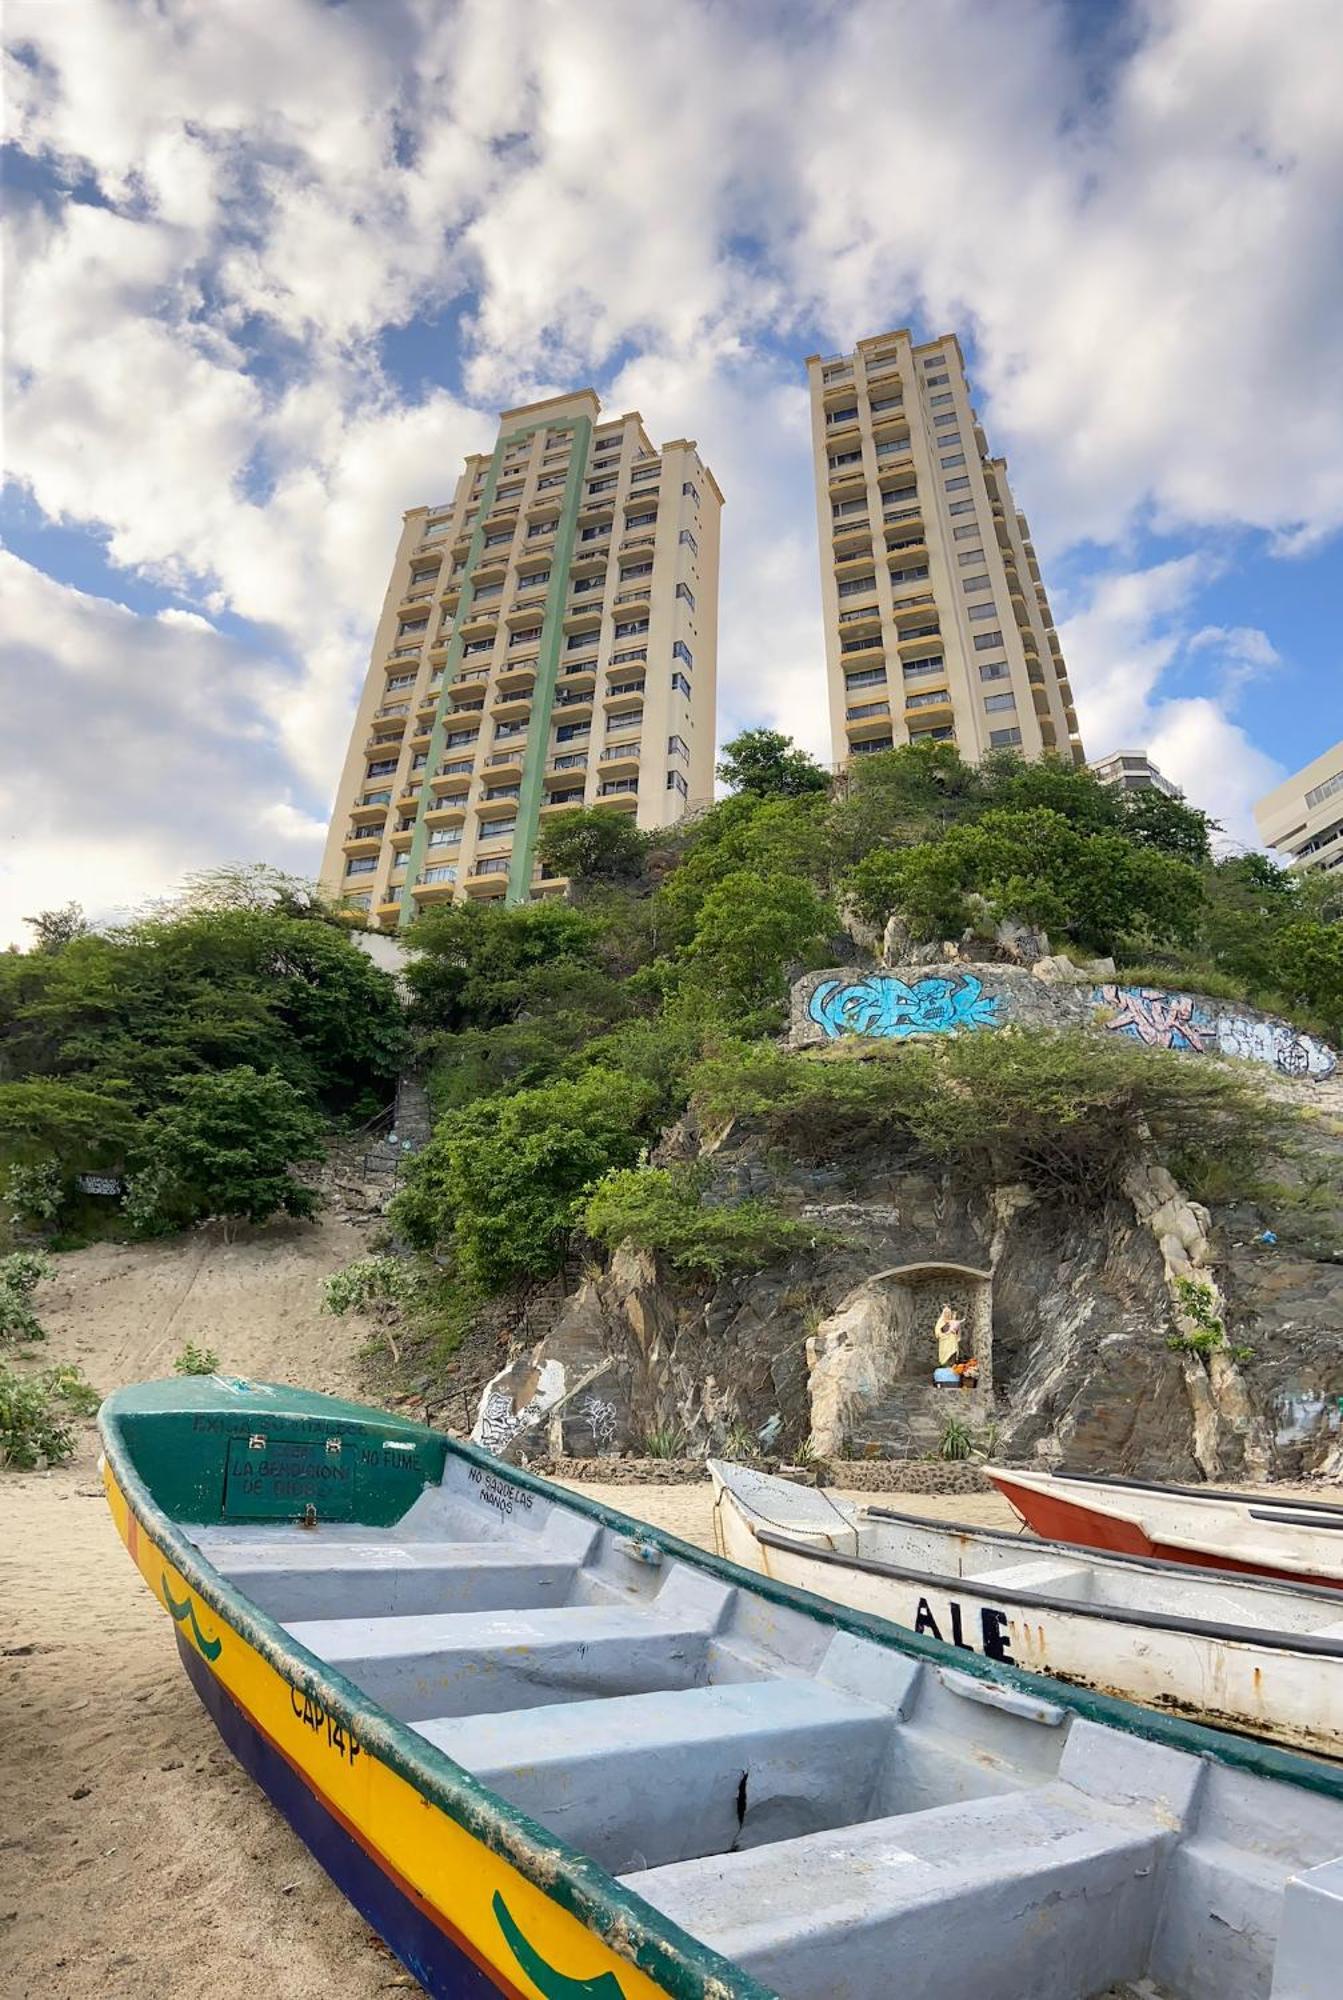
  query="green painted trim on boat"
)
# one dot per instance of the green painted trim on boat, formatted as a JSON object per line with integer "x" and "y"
{"x": 687, "y": 1969}
{"x": 682, "y": 1966}
{"x": 452, "y": 661}
{"x": 547, "y": 665}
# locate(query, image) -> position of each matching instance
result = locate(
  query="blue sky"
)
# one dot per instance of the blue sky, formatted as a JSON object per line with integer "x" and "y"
{"x": 274, "y": 268}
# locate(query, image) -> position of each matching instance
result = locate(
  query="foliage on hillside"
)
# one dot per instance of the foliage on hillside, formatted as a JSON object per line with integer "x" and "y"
{"x": 111, "y": 1041}
{"x": 562, "y": 1039}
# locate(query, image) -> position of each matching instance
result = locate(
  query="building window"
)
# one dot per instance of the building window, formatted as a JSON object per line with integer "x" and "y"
{"x": 445, "y": 836}
{"x": 957, "y": 458}
{"x": 980, "y": 582}
{"x": 908, "y": 575}
{"x": 1003, "y": 739}
{"x": 357, "y": 902}
{"x": 496, "y": 829}
{"x": 601, "y": 485}
{"x": 1317, "y": 794}
{"x": 587, "y": 534}
{"x": 680, "y": 685}
{"x": 873, "y": 743}
{"x": 568, "y": 732}
{"x": 363, "y": 867}
{"x": 631, "y": 627}
{"x": 865, "y": 677}
{"x": 927, "y": 698}
{"x": 527, "y": 637}
{"x": 376, "y": 799}
{"x": 935, "y": 381}
{"x": 937, "y": 401}
{"x": 456, "y": 736}
{"x": 996, "y": 702}
{"x": 678, "y": 747}
{"x": 930, "y": 663}
{"x": 676, "y": 783}
{"x": 640, "y": 520}
{"x": 627, "y": 687}
{"x": 977, "y": 611}
{"x": 577, "y": 640}
{"x": 842, "y": 458}
{"x": 940, "y": 422}
{"x": 993, "y": 670}
{"x": 968, "y": 531}
{"x": 684, "y": 592}
{"x": 381, "y": 769}
{"x": 857, "y": 585}
{"x": 961, "y": 506}
{"x": 613, "y": 785}
{"x": 967, "y": 556}
{"x": 634, "y": 720}
{"x": 442, "y": 874}
{"x": 986, "y": 642}
{"x": 691, "y": 491}
{"x": 957, "y": 486}
{"x": 630, "y": 653}
{"x": 687, "y": 540}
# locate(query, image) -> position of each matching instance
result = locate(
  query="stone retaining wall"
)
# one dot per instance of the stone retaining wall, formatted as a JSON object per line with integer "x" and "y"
{"x": 957, "y": 996}
{"x": 868, "y": 1475}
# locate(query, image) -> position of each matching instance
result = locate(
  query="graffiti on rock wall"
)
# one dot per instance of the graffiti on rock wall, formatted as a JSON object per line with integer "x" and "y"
{"x": 1162, "y": 1020}
{"x": 884, "y": 1005}
{"x": 1180, "y": 1021}
{"x": 601, "y": 1416}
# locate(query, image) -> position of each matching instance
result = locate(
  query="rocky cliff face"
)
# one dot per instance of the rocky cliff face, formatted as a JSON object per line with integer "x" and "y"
{"x": 1070, "y": 1314}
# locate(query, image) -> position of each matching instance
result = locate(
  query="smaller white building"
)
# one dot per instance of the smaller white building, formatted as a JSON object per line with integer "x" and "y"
{"x": 1133, "y": 771}
{"x": 1303, "y": 818}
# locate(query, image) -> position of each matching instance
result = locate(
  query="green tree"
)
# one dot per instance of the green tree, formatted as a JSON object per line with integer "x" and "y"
{"x": 593, "y": 844}
{"x": 768, "y": 764}
{"x": 226, "y": 1147}
{"x": 478, "y": 965}
{"x": 53, "y": 928}
{"x": 1170, "y": 825}
{"x": 502, "y": 1180}
{"x": 751, "y": 931}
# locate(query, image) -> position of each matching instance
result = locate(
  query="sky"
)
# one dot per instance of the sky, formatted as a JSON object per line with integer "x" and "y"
{"x": 274, "y": 266}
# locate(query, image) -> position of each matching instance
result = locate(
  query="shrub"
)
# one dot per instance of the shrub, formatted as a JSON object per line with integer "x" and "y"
{"x": 35, "y": 1191}
{"x": 664, "y": 1441}
{"x": 1062, "y": 1113}
{"x": 195, "y": 1360}
{"x": 36, "y": 1413}
{"x": 1200, "y": 1328}
{"x": 503, "y": 1180}
{"x": 663, "y": 1209}
{"x": 955, "y": 1441}
{"x": 593, "y": 844}
{"x": 225, "y": 1148}
{"x": 369, "y": 1281}
{"x": 21, "y": 1272}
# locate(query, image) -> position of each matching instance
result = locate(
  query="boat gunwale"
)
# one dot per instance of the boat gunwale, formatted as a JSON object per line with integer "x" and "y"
{"x": 1084, "y": 1552}
{"x": 656, "y": 1946}
{"x": 1158, "y": 1621}
{"x": 1075, "y": 1477}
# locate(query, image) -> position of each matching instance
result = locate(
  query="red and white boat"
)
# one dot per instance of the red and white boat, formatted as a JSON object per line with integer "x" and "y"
{"x": 1289, "y": 1538}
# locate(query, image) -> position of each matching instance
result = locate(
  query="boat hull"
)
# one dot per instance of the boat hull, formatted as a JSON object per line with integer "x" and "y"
{"x": 1205, "y": 1672}
{"x": 1056, "y": 1517}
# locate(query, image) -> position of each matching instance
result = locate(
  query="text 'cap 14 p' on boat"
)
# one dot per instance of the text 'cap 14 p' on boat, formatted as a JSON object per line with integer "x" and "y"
{"x": 550, "y": 1752}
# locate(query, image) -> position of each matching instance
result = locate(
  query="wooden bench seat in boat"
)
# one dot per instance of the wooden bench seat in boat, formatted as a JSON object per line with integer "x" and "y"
{"x": 647, "y": 1779}
{"x": 312, "y": 1579}
{"x": 1053, "y": 1891}
{"x": 480, "y": 1662}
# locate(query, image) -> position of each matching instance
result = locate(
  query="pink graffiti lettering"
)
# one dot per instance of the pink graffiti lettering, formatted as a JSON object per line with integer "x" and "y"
{"x": 1162, "y": 1020}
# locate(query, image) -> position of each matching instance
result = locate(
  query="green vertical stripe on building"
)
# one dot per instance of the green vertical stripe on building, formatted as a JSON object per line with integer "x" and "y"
{"x": 543, "y": 695}
{"x": 450, "y": 665}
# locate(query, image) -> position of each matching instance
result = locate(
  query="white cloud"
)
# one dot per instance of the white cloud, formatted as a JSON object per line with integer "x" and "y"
{"x": 140, "y": 751}
{"x": 676, "y": 199}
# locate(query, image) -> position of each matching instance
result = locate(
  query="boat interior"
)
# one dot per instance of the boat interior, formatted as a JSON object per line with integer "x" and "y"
{"x": 840, "y": 1818}
{"x": 1067, "y": 1575}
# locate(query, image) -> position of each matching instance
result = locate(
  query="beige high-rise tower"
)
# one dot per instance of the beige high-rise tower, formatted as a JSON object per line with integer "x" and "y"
{"x": 937, "y": 626}
{"x": 549, "y": 639}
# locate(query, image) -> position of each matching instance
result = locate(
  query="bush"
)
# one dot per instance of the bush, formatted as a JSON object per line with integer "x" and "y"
{"x": 35, "y": 1192}
{"x": 225, "y": 1148}
{"x": 20, "y": 1275}
{"x": 370, "y": 1281}
{"x": 195, "y": 1360}
{"x": 593, "y": 844}
{"x": 663, "y": 1209}
{"x": 503, "y": 1180}
{"x": 1062, "y": 1113}
{"x": 36, "y": 1413}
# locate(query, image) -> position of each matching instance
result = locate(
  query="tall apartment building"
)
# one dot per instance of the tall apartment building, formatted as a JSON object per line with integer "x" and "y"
{"x": 1133, "y": 771}
{"x": 548, "y": 640}
{"x": 1303, "y": 817}
{"x": 937, "y": 627}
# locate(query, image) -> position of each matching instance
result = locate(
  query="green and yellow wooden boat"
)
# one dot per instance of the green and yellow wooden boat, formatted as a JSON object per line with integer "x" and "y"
{"x": 549, "y": 1752}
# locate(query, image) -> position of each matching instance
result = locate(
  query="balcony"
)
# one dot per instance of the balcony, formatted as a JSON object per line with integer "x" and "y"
{"x": 645, "y": 539}
{"x": 371, "y": 813}
{"x": 502, "y": 761}
{"x": 362, "y": 840}
{"x": 619, "y": 792}
{"x": 517, "y": 675}
{"x": 512, "y": 709}
{"x": 435, "y": 892}
{"x": 619, "y": 757}
{"x": 448, "y": 782}
{"x": 401, "y": 840}
{"x": 581, "y": 676}
{"x": 868, "y": 719}
{"x": 574, "y": 704}
{"x": 929, "y": 703}
{"x": 852, "y": 538}
{"x": 854, "y": 561}
{"x": 445, "y": 812}
{"x": 565, "y": 801}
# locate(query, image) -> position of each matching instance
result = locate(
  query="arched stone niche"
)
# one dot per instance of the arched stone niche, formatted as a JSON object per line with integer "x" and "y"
{"x": 872, "y": 1360}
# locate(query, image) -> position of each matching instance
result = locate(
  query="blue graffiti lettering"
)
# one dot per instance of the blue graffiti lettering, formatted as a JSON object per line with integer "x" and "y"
{"x": 885, "y": 1005}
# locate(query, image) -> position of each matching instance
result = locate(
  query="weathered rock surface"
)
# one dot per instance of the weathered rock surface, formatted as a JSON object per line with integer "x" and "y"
{"x": 835, "y": 1347}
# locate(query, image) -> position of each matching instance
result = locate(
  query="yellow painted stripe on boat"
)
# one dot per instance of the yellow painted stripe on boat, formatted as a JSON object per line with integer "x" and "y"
{"x": 453, "y": 1872}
